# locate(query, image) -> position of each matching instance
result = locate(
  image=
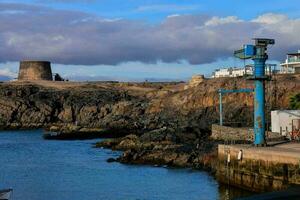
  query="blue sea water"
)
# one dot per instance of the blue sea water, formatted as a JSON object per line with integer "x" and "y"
{"x": 39, "y": 169}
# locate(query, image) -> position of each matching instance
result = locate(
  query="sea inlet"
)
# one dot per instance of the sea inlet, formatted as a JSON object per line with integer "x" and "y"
{"x": 39, "y": 169}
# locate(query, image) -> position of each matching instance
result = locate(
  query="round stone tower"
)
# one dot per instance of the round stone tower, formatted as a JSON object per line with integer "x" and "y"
{"x": 35, "y": 70}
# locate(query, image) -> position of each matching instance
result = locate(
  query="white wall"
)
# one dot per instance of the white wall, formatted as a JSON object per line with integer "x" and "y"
{"x": 238, "y": 72}
{"x": 281, "y": 120}
{"x": 222, "y": 73}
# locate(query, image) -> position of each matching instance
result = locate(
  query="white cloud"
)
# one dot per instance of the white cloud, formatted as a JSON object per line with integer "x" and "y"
{"x": 271, "y": 18}
{"x": 215, "y": 21}
{"x": 8, "y": 72}
{"x": 174, "y": 15}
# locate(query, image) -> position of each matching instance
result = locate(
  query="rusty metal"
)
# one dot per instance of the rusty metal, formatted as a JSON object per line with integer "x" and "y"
{"x": 295, "y": 133}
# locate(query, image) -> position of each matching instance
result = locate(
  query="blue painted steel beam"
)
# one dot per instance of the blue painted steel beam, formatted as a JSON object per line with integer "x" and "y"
{"x": 245, "y": 90}
{"x": 221, "y": 108}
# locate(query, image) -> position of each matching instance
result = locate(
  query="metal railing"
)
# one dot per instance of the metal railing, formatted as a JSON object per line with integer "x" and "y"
{"x": 292, "y": 59}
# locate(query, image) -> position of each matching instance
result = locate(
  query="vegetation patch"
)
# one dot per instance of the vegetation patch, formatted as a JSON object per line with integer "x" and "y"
{"x": 295, "y": 102}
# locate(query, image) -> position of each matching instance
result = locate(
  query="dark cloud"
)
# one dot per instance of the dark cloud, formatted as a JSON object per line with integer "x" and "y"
{"x": 71, "y": 37}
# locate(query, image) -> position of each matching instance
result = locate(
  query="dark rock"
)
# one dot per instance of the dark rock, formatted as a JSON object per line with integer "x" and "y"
{"x": 110, "y": 160}
{"x": 108, "y": 143}
{"x": 162, "y": 111}
{"x": 155, "y": 135}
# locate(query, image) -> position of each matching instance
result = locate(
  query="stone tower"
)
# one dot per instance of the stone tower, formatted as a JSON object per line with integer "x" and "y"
{"x": 195, "y": 81}
{"x": 35, "y": 70}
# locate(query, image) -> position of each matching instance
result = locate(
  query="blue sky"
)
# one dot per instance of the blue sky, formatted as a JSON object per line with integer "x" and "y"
{"x": 156, "y": 10}
{"x": 141, "y": 39}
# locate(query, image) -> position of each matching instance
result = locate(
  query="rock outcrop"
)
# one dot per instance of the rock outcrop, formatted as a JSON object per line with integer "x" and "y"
{"x": 195, "y": 81}
{"x": 163, "y": 149}
{"x": 126, "y": 108}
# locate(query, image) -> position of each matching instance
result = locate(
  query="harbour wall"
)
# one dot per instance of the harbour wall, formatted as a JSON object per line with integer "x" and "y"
{"x": 259, "y": 169}
{"x": 236, "y": 134}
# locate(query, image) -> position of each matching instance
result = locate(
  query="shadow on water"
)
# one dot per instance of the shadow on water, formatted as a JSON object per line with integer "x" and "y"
{"x": 292, "y": 193}
{"x": 227, "y": 192}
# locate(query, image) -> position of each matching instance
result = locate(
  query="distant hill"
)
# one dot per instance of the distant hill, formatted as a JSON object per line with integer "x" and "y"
{"x": 5, "y": 78}
{"x": 121, "y": 79}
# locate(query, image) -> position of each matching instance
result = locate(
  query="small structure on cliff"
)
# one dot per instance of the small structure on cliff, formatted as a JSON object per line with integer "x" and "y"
{"x": 57, "y": 77}
{"x": 195, "y": 81}
{"x": 35, "y": 70}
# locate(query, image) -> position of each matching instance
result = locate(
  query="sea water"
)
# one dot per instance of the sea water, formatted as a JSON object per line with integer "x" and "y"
{"x": 39, "y": 169}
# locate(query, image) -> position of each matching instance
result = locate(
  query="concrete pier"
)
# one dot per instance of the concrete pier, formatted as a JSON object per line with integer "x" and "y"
{"x": 259, "y": 168}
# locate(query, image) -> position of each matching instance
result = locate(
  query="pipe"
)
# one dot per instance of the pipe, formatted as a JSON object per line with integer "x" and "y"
{"x": 221, "y": 109}
{"x": 259, "y": 101}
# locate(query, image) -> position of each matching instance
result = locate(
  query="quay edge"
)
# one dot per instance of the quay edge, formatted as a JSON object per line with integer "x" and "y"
{"x": 259, "y": 169}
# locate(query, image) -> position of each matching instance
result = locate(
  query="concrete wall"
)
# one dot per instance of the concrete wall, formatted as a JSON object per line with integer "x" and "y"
{"x": 35, "y": 70}
{"x": 281, "y": 120}
{"x": 230, "y": 133}
{"x": 280, "y": 154}
{"x": 227, "y": 133}
{"x": 259, "y": 169}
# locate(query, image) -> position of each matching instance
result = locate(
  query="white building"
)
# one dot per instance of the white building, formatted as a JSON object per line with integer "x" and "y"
{"x": 291, "y": 64}
{"x": 282, "y": 121}
{"x": 238, "y": 72}
{"x": 229, "y": 72}
{"x": 223, "y": 72}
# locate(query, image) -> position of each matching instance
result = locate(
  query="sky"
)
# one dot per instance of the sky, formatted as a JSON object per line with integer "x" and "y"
{"x": 137, "y": 40}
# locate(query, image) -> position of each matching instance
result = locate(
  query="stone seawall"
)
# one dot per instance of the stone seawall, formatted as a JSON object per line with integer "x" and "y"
{"x": 231, "y": 133}
{"x": 259, "y": 169}
{"x": 234, "y": 134}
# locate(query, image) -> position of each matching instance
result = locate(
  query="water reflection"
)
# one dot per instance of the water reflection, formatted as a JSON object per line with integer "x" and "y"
{"x": 227, "y": 192}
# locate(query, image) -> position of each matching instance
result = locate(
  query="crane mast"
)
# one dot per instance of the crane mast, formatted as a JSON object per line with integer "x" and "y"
{"x": 258, "y": 53}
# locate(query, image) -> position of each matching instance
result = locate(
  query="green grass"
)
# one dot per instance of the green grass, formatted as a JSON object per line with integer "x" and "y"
{"x": 295, "y": 102}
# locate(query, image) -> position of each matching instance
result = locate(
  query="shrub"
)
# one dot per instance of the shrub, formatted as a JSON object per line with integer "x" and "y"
{"x": 295, "y": 102}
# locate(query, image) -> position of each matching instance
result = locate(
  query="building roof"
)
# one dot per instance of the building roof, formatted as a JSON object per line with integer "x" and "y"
{"x": 293, "y": 54}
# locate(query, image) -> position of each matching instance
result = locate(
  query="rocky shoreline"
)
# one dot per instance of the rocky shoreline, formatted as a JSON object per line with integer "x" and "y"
{"x": 162, "y": 151}
{"x": 152, "y": 123}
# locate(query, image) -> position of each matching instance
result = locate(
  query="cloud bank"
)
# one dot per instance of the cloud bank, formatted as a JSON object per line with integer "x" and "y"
{"x": 71, "y": 37}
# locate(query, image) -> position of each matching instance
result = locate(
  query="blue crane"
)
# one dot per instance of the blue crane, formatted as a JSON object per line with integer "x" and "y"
{"x": 258, "y": 53}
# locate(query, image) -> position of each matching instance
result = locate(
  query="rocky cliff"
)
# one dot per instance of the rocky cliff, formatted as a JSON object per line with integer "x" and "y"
{"x": 124, "y": 108}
